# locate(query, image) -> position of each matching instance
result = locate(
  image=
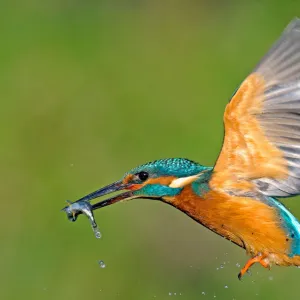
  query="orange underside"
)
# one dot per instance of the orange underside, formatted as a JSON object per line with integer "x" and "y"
{"x": 247, "y": 222}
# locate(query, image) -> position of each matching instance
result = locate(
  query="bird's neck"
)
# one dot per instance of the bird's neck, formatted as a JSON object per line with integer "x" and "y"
{"x": 204, "y": 209}
{"x": 200, "y": 203}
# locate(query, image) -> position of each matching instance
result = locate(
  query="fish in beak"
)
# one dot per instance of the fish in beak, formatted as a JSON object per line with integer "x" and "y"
{"x": 83, "y": 205}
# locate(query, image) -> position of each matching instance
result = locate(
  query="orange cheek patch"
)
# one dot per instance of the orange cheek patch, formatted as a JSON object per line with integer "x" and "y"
{"x": 161, "y": 180}
{"x": 128, "y": 179}
{"x": 134, "y": 187}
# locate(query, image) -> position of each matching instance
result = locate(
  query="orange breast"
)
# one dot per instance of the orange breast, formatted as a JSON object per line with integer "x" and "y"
{"x": 247, "y": 222}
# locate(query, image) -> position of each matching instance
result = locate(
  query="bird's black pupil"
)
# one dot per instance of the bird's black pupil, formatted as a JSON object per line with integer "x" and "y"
{"x": 143, "y": 176}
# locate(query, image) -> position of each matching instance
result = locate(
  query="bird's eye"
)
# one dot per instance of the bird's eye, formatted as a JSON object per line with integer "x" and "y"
{"x": 142, "y": 175}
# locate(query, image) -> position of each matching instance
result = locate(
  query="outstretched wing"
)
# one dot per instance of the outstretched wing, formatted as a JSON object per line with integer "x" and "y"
{"x": 261, "y": 148}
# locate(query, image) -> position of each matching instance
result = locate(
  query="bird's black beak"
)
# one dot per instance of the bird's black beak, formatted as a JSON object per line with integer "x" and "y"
{"x": 114, "y": 187}
{"x": 73, "y": 210}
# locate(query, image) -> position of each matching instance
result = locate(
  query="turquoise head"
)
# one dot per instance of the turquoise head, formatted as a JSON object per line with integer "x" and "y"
{"x": 154, "y": 180}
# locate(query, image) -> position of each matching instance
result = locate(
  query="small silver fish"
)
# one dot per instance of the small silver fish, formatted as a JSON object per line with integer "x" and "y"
{"x": 74, "y": 209}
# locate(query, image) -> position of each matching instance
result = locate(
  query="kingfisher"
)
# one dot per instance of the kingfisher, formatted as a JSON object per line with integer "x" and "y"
{"x": 259, "y": 163}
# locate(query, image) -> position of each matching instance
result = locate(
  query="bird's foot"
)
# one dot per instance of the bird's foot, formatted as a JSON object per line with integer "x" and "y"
{"x": 256, "y": 259}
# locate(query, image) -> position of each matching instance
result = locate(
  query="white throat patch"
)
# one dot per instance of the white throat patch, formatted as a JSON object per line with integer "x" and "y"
{"x": 181, "y": 182}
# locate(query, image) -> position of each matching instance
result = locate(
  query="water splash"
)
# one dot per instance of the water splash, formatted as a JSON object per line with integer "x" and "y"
{"x": 102, "y": 264}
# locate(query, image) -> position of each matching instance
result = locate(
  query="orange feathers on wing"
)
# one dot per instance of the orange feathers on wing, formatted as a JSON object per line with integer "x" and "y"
{"x": 261, "y": 148}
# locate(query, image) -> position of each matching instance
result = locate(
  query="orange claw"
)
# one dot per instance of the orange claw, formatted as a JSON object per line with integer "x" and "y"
{"x": 259, "y": 258}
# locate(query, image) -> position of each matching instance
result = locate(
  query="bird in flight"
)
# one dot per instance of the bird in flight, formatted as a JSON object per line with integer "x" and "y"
{"x": 259, "y": 162}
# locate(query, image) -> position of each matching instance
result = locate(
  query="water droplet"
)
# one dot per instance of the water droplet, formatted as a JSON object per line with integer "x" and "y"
{"x": 203, "y": 293}
{"x": 170, "y": 294}
{"x": 174, "y": 294}
{"x": 217, "y": 269}
{"x": 270, "y": 277}
{"x": 102, "y": 264}
{"x": 226, "y": 286}
{"x": 238, "y": 265}
{"x": 97, "y": 232}
{"x": 221, "y": 266}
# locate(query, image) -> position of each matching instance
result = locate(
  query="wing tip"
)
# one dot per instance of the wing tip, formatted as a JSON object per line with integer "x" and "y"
{"x": 294, "y": 25}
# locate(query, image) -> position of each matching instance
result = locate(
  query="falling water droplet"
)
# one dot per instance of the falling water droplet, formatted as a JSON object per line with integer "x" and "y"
{"x": 221, "y": 266}
{"x": 203, "y": 293}
{"x": 170, "y": 294}
{"x": 270, "y": 277}
{"x": 102, "y": 264}
{"x": 238, "y": 265}
{"x": 97, "y": 232}
{"x": 226, "y": 286}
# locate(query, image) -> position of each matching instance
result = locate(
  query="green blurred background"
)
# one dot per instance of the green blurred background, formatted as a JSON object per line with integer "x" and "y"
{"x": 90, "y": 89}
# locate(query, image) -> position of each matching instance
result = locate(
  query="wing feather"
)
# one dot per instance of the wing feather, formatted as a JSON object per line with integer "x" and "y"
{"x": 261, "y": 148}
